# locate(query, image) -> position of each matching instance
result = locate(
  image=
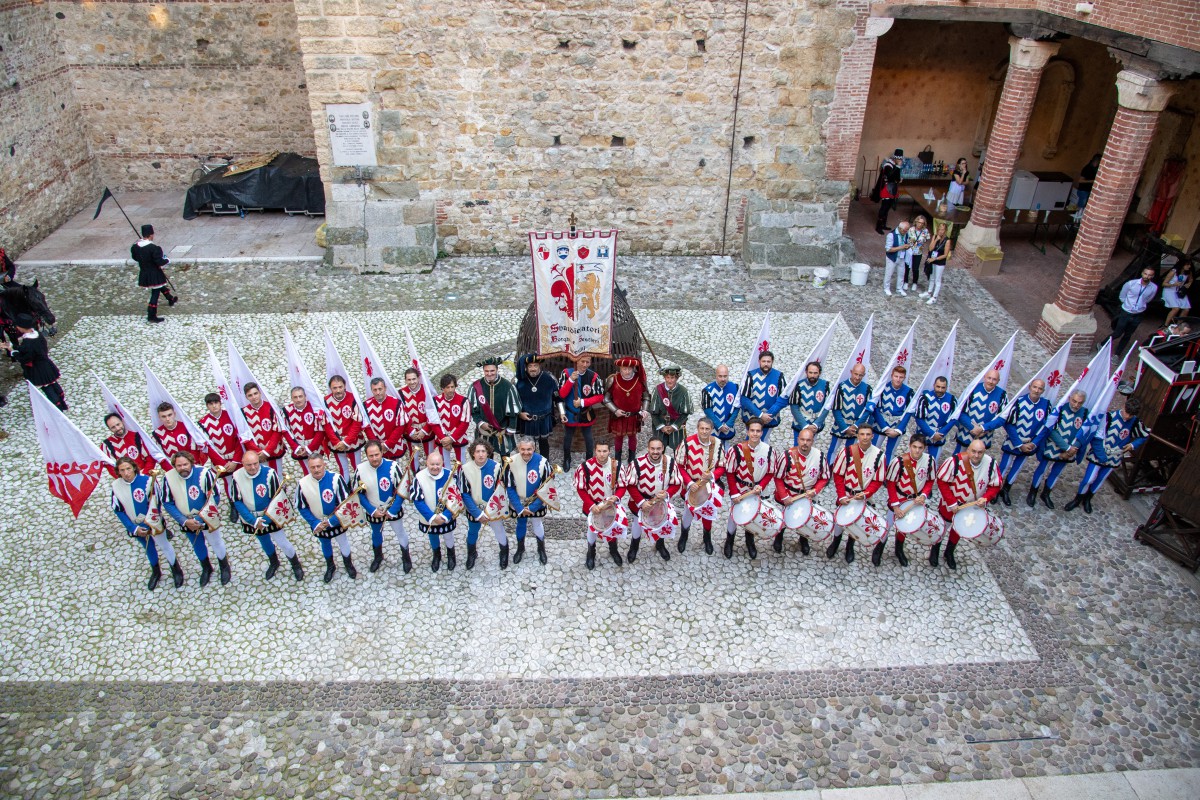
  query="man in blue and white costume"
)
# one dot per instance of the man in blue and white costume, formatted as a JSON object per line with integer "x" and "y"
{"x": 807, "y": 402}
{"x": 982, "y": 413}
{"x": 719, "y": 402}
{"x": 892, "y": 411}
{"x": 481, "y": 480}
{"x": 429, "y": 495}
{"x": 381, "y": 499}
{"x": 935, "y": 410}
{"x": 136, "y": 505}
{"x": 191, "y": 494}
{"x": 526, "y": 473}
{"x": 851, "y": 408}
{"x": 1060, "y": 447}
{"x": 1123, "y": 434}
{"x": 319, "y": 494}
{"x": 253, "y": 488}
{"x": 762, "y": 394}
{"x": 1025, "y": 428}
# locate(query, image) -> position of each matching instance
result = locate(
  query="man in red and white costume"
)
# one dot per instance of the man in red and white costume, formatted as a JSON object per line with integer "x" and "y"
{"x": 967, "y": 478}
{"x": 308, "y": 428}
{"x": 418, "y": 429}
{"x": 455, "y": 411}
{"x": 649, "y": 478}
{"x": 173, "y": 437}
{"x": 597, "y": 480}
{"x": 344, "y": 427}
{"x": 123, "y": 443}
{"x": 224, "y": 446}
{"x": 385, "y": 421}
{"x": 858, "y": 473}
{"x": 802, "y": 471}
{"x": 910, "y": 478}
{"x": 749, "y": 467}
{"x": 700, "y": 457}
{"x": 265, "y": 426}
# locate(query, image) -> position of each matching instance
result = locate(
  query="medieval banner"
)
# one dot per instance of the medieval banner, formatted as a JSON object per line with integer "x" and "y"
{"x": 573, "y": 279}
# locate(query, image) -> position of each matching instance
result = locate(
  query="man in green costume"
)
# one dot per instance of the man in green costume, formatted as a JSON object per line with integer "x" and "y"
{"x": 495, "y": 405}
{"x": 670, "y": 405}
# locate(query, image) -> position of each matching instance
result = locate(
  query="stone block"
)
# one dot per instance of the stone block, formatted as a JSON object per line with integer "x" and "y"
{"x": 399, "y": 190}
{"x": 343, "y": 257}
{"x": 344, "y": 236}
{"x": 343, "y": 215}
{"x": 789, "y": 154}
{"x": 347, "y": 192}
{"x": 409, "y": 256}
{"x": 763, "y": 235}
{"x": 1107, "y": 786}
{"x": 800, "y": 255}
{"x": 764, "y": 273}
{"x": 389, "y": 121}
{"x": 425, "y": 234}
{"x": 419, "y": 213}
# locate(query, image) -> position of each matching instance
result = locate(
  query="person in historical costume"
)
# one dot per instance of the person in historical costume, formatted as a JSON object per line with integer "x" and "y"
{"x": 318, "y": 496}
{"x": 935, "y": 410}
{"x": 967, "y": 478}
{"x": 580, "y": 390}
{"x": 150, "y": 260}
{"x": 1025, "y": 429}
{"x": 981, "y": 416}
{"x": 700, "y": 459}
{"x": 418, "y": 428}
{"x": 597, "y": 480}
{"x": 455, "y": 412}
{"x": 858, "y": 473}
{"x": 385, "y": 422}
{"x": 344, "y": 425}
{"x": 807, "y": 402}
{"x": 1066, "y": 436}
{"x": 851, "y": 409}
{"x": 910, "y": 479}
{"x": 719, "y": 402}
{"x": 224, "y": 446}
{"x": 800, "y": 472}
{"x": 125, "y": 443}
{"x": 380, "y": 481}
{"x": 627, "y": 395}
{"x": 892, "y": 411}
{"x": 432, "y": 489}
{"x": 255, "y": 487}
{"x": 750, "y": 467}
{"x": 191, "y": 496}
{"x": 495, "y": 407}
{"x": 308, "y": 429}
{"x": 1124, "y": 432}
{"x": 173, "y": 437}
{"x": 481, "y": 482}
{"x": 33, "y": 354}
{"x": 265, "y": 426}
{"x": 537, "y": 391}
{"x": 527, "y": 472}
{"x": 134, "y": 500}
{"x": 670, "y": 406}
{"x": 650, "y": 478}
{"x": 762, "y": 394}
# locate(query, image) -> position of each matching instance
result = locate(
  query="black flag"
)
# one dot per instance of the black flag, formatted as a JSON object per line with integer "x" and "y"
{"x": 107, "y": 194}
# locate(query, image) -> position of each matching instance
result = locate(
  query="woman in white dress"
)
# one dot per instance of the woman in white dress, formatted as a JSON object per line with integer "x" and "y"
{"x": 958, "y": 184}
{"x": 1175, "y": 290}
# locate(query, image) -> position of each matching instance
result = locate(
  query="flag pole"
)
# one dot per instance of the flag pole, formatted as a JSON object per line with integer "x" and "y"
{"x": 123, "y": 214}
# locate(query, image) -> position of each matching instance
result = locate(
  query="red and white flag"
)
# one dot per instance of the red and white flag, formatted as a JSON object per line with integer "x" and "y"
{"x": 431, "y": 412}
{"x": 901, "y": 358}
{"x": 158, "y": 395}
{"x": 298, "y": 376}
{"x": 242, "y": 377}
{"x": 861, "y": 354}
{"x": 1098, "y": 418}
{"x": 942, "y": 366}
{"x": 334, "y": 366}
{"x": 228, "y": 402}
{"x": 73, "y": 464}
{"x": 818, "y": 354}
{"x": 372, "y": 366}
{"x": 1002, "y": 363}
{"x": 573, "y": 280}
{"x": 1052, "y": 374}
{"x": 1093, "y": 378}
{"x": 114, "y": 406}
{"x": 761, "y": 345}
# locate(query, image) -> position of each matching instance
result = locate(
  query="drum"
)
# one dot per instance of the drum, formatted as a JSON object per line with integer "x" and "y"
{"x": 350, "y": 513}
{"x": 758, "y": 516}
{"x": 497, "y": 506}
{"x": 912, "y": 520}
{"x": 658, "y": 521}
{"x": 862, "y": 522}
{"x": 796, "y": 515}
{"x": 819, "y": 529}
{"x": 970, "y": 522}
{"x": 931, "y": 532}
{"x": 610, "y": 524}
{"x": 279, "y": 510}
{"x": 993, "y": 533}
{"x": 705, "y": 500}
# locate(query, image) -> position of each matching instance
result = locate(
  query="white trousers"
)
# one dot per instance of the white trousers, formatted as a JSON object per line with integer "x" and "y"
{"x": 215, "y": 542}
{"x": 165, "y": 548}
{"x": 283, "y": 545}
{"x": 891, "y": 268}
{"x": 343, "y": 543}
{"x": 935, "y": 283}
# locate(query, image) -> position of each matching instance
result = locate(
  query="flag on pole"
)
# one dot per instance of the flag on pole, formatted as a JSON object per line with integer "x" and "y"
{"x": 73, "y": 463}
{"x": 901, "y": 358}
{"x": 761, "y": 345}
{"x": 1051, "y": 374}
{"x": 240, "y": 374}
{"x": 861, "y": 354}
{"x": 228, "y": 402}
{"x": 943, "y": 364}
{"x": 1093, "y": 378}
{"x": 1098, "y": 418}
{"x": 372, "y": 366}
{"x": 431, "y": 412}
{"x": 103, "y": 198}
{"x": 113, "y": 405}
{"x": 158, "y": 395}
{"x": 334, "y": 366}
{"x": 298, "y": 376}
{"x": 818, "y": 354}
{"x": 1002, "y": 363}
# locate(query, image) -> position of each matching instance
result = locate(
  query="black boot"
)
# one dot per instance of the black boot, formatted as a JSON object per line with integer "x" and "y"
{"x": 850, "y": 550}
{"x": 225, "y": 572}
{"x": 155, "y": 577}
{"x": 1076, "y": 501}
{"x": 934, "y": 552}
{"x": 272, "y": 566}
{"x": 751, "y": 550}
{"x": 615, "y": 553}
{"x": 472, "y": 554}
{"x": 405, "y": 560}
{"x": 233, "y": 515}
{"x": 661, "y": 547}
{"x": 517, "y": 556}
{"x": 451, "y": 562}
{"x": 683, "y": 534}
{"x": 436, "y": 563}
{"x": 329, "y": 569}
{"x": 171, "y": 299}
{"x": 377, "y": 561}
{"x": 1046, "y": 501}
{"x": 805, "y": 547}
{"x": 631, "y": 555}
{"x": 590, "y": 561}
{"x": 903, "y": 559}
{"x": 1031, "y": 498}
{"x": 297, "y": 568}
{"x": 727, "y": 550}
{"x": 831, "y": 551}
{"x": 503, "y": 556}
{"x": 152, "y": 314}
{"x": 348, "y": 563}
{"x": 1004, "y": 498}
{"x": 877, "y": 553}
{"x": 950, "y": 555}
{"x": 777, "y": 543}
{"x": 1087, "y": 502}
{"x": 177, "y": 574}
{"x": 206, "y": 571}
{"x": 566, "y": 462}
{"x": 541, "y": 545}
{"x": 708, "y": 548}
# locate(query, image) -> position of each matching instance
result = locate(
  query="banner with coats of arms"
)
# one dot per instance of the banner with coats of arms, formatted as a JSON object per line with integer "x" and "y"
{"x": 573, "y": 279}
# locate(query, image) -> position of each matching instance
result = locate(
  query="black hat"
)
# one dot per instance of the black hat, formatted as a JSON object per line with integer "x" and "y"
{"x": 24, "y": 321}
{"x": 671, "y": 369}
{"x": 147, "y": 230}
{"x": 898, "y": 153}
{"x": 490, "y": 361}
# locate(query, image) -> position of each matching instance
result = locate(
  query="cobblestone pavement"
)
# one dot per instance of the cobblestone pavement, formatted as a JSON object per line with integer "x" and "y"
{"x": 1107, "y": 684}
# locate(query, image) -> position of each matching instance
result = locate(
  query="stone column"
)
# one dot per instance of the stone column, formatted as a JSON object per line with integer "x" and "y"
{"x": 1140, "y": 99}
{"x": 1027, "y": 58}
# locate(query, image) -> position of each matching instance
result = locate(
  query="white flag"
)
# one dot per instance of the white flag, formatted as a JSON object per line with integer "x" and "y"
{"x": 372, "y": 366}
{"x": 818, "y": 354}
{"x": 298, "y": 376}
{"x": 1098, "y": 418}
{"x": 1002, "y": 363}
{"x": 761, "y": 345}
{"x": 431, "y": 412}
{"x": 943, "y": 364}
{"x": 241, "y": 375}
{"x": 1094, "y": 376}
{"x": 1051, "y": 374}
{"x": 113, "y": 405}
{"x": 901, "y": 358}
{"x": 861, "y": 354}
{"x": 334, "y": 366}
{"x": 228, "y": 401}
{"x": 158, "y": 395}
{"x": 73, "y": 464}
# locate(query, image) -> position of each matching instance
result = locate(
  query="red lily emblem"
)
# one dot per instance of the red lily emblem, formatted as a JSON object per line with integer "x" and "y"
{"x": 1054, "y": 378}
{"x": 368, "y": 367}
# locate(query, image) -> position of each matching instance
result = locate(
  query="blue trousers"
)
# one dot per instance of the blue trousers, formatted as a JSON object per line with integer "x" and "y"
{"x": 891, "y": 446}
{"x": 1094, "y": 477}
{"x": 147, "y": 543}
{"x": 833, "y": 447}
{"x": 264, "y": 541}
{"x": 1046, "y": 465}
{"x": 199, "y": 546}
{"x": 1010, "y": 466}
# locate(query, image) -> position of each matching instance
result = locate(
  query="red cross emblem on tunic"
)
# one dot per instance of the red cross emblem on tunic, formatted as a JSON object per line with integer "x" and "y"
{"x": 261, "y": 490}
{"x": 820, "y": 396}
{"x": 327, "y": 495}
{"x": 945, "y": 407}
{"x": 139, "y": 495}
{"x": 772, "y": 390}
{"x": 388, "y": 414}
{"x": 859, "y": 399}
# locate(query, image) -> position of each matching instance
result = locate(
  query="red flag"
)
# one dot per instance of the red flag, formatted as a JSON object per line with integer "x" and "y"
{"x": 74, "y": 465}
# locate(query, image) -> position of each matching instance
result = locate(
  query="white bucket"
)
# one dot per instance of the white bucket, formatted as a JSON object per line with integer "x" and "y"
{"x": 859, "y": 273}
{"x": 820, "y": 277}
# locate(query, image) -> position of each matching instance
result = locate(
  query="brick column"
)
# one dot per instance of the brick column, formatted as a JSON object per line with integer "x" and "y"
{"x": 1027, "y": 58}
{"x": 1140, "y": 99}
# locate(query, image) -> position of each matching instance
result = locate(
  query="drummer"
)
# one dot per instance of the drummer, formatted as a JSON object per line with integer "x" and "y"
{"x": 479, "y": 480}
{"x": 749, "y": 468}
{"x": 700, "y": 461}
{"x": 858, "y": 473}
{"x": 969, "y": 478}
{"x": 802, "y": 472}
{"x": 650, "y": 478}
{"x": 596, "y": 482}
{"x": 910, "y": 479}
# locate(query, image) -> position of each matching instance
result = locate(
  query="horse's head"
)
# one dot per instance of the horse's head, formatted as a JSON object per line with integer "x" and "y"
{"x": 37, "y": 302}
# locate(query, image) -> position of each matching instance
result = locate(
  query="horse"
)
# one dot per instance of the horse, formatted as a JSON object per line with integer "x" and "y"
{"x": 17, "y": 298}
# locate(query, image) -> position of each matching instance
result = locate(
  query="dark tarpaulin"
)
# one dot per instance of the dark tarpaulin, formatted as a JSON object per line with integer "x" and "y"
{"x": 289, "y": 181}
